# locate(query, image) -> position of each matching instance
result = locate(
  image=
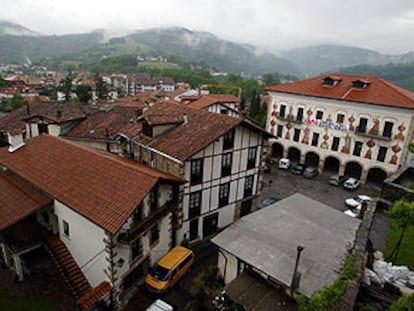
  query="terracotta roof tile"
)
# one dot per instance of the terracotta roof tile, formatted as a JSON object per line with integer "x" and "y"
{"x": 106, "y": 125}
{"x": 18, "y": 200}
{"x": 199, "y": 131}
{"x": 14, "y": 121}
{"x": 98, "y": 185}
{"x": 379, "y": 91}
{"x": 211, "y": 99}
{"x": 94, "y": 295}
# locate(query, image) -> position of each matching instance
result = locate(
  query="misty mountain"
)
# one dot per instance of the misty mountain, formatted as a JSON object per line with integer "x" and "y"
{"x": 195, "y": 47}
{"x": 9, "y": 28}
{"x": 324, "y": 58}
{"x": 20, "y": 45}
{"x": 400, "y": 74}
{"x": 208, "y": 50}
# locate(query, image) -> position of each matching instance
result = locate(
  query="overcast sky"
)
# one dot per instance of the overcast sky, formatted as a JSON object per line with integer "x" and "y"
{"x": 383, "y": 25}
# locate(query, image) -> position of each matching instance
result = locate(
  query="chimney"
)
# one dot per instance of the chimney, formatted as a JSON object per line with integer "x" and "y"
{"x": 185, "y": 117}
{"x": 15, "y": 141}
{"x": 296, "y": 276}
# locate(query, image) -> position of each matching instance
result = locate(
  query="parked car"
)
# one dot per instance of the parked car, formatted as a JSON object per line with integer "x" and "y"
{"x": 353, "y": 212}
{"x": 337, "y": 180}
{"x": 310, "y": 172}
{"x": 284, "y": 163}
{"x": 356, "y": 201}
{"x": 352, "y": 183}
{"x": 266, "y": 202}
{"x": 169, "y": 269}
{"x": 298, "y": 169}
{"x": 160, "y": 305}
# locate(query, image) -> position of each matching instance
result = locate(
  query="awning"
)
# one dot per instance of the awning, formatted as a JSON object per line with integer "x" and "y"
{"x": 254, "y": 293}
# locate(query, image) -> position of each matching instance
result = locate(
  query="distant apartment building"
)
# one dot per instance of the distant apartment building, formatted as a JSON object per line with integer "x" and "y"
{"x": 139, "y": 83}
{"x": 347, "y": 124}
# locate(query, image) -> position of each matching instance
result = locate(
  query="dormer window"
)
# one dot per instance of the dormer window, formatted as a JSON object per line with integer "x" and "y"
{"x": 331, "y": 80}
{"x": 360, "y": 84}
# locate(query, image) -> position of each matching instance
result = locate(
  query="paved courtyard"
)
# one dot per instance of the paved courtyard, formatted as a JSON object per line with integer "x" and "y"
{"x": 284, "y": 183}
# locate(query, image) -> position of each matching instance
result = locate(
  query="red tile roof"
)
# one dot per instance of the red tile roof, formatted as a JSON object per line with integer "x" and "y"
{"x": 94, "y": 295}
{"x": 211, "y": 99}
{"x": 102, "y": 187}
{"x": 18, "y": 199}
{"x": 201, "y": 129}
{"x": 379, "y": 91}
{"x": 164, "y": 113}
{"x": 55, "y": 111}
{"x": 106, "y": 125}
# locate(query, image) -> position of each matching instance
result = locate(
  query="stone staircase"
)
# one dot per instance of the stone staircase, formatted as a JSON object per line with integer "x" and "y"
{"x": 67, "y": 267}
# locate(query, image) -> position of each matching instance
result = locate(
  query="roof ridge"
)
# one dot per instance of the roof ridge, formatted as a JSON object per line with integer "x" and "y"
{"x": 397, "y": 88}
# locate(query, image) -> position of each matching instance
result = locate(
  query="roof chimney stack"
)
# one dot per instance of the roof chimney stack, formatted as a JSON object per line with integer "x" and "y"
{"x": 15, "y": 142}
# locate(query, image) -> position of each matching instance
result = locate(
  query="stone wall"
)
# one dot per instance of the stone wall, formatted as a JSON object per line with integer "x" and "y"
{"x": 348, "y": 301}
{"x": 396, "y": 186}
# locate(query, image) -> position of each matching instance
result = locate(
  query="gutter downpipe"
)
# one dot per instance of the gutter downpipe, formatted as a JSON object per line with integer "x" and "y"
{"x": 295, "y": 277}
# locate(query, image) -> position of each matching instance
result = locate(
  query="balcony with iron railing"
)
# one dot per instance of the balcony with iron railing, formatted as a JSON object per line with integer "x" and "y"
{"x": 363, "y": 131}
{"x": 291, "y": 118}
{"x": 141, "y": 225}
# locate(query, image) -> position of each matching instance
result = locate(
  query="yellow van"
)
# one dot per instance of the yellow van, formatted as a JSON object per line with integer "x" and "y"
{"x": 169, "y": 269}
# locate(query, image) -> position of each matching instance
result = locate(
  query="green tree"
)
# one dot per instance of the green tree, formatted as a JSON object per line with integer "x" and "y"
{"x": 411, "y": 146}
{"x": 405, "y": 303}
{"x": 101, "y": 87}
{"x": 3, "y": 83}
{"x": 66, "y": 86}
{"x": 18, "y": 101}
{"x": 403, "y": 214}
{"x": 83, "y": 92}
{"x": 254, "y": 105}
{"x": 270, "y": 79}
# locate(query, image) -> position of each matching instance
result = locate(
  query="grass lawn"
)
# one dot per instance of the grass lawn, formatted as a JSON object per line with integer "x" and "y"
{"x": 406, "y": 253}
{"x": 9, "y": 303}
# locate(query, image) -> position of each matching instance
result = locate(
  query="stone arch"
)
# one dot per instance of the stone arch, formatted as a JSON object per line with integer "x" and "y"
{"x": 353, "y": 169}
{"x": 331, "y": 164}
{"x": 277, "y": 150}
{"x": 294, "y": 154}
{"x": 312, "y": 159}
{"x": 376, "y": 175}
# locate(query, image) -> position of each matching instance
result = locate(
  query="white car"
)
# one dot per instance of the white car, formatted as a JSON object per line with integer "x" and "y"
{"x": 353, "y": 212}
{"x": 284, "y": 163}
{"x": 352, "y": 183}
{"x": 159, "y": 305}
{"x": 356, "y": 201}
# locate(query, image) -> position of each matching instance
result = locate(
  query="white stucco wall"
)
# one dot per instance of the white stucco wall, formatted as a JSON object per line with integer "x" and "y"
{"x": 212, "y": 163}
{"x": 331, "y": 108}
{"x": 85, "y": 243}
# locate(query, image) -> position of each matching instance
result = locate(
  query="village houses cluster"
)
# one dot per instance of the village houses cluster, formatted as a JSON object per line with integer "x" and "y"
{"x": 111, "y": 186}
